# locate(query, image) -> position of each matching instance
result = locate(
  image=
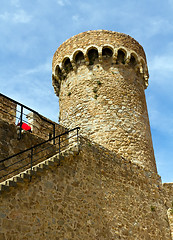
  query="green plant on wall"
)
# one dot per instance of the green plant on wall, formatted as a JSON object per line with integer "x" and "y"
{"x": 95, "y": 89}
{"x": 153, "y": 209}
{"x": 99, "y": 83}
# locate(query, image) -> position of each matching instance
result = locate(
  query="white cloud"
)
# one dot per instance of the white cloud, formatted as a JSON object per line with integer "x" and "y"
{"x": 161, "y": 120}
{"x": 159, "y": 25}
{"x": 161, "y": 67}
{"x": 152, "y": 27}
{"x": 63, "y": 2}
{"x": 42, "y": 68}
{"x": 19, "y": 17}
{"x": 162, "y": 63}
{"x": 15, "y": 3}
{"x": 75, "y": 18}
{"x": 5, "y": 16}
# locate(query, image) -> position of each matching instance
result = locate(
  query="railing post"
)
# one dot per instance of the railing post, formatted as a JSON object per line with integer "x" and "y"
{"x": 59, "y": 145}
{"x": 31, "y": 162}
{"x": 54, "y": 133}
{"x": 21, "y": 115}
{"x": 78, "y": 136}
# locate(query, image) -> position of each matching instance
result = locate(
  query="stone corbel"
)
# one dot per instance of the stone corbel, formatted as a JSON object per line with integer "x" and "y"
{"x": 114, "y": 57}
{"x": 86, "y": 59}
{"x": 141, "y": 68}
{"x": 146, "y": 80}
{"x": 73, "y": 65}
{"x": 127, "y": 60}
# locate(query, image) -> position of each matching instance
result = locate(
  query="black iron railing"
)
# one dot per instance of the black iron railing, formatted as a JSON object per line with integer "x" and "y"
{"x": 36, "y": 154}
{"x": 21, "y": 114}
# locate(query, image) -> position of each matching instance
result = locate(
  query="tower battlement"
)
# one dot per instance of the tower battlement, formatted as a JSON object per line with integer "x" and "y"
{"x": 100, "y": 78}
{"x": 125, "y": 50}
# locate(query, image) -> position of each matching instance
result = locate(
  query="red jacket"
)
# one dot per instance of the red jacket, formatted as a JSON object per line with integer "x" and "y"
{"x": 25, "y": 126}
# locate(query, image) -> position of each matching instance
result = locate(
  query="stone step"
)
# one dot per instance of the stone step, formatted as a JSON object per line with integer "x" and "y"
{"x": 12, "y": 182}
{"x": 43, "y": 166}
{"x": 37, "y": 168}
{"x": 24, "y": 175}
{"x": 17, "y": 179}
{"x": 3, "y": 187}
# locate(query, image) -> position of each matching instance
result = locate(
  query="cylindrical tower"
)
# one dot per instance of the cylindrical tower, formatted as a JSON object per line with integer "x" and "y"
{"x": 100, "y": 77}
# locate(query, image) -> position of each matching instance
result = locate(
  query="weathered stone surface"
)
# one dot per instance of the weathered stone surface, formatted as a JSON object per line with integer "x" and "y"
{"x": 43, "y": 127}
{"x": 10, "y": 145}
{"x": 7, "y": 110}
{"x": 106, "y": 98}
{"x": 168, "y": 187}
{"x": 93, "y": 195}
{"x": 107, "y": 191}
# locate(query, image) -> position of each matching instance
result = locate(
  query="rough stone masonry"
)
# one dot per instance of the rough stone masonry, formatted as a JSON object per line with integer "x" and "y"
{"x": 100, "y": 78}
{"x": 110, "y": 189}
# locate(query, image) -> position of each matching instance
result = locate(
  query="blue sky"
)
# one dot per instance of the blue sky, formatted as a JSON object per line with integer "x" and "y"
{"x": 31, "y": 31}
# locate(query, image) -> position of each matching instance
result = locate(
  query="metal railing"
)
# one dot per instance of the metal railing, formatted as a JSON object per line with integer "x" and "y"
{"x": 22, "y": 112}
{"x": 36, "y": 154}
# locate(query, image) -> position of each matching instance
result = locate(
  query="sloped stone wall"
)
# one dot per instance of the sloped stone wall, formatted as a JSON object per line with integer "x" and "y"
{"x": 95, "y": 195}
{"x": 168, "y": 187}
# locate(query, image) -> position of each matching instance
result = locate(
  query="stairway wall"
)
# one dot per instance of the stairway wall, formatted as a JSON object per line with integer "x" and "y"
{"x": 10, "y": 145}
{"x": 95, "y": 195}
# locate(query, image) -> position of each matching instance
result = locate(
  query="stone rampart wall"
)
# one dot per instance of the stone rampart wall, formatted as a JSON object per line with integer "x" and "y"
{"x": 93, "y": 196}
{"x": 10, "y": 144}
{"x": 7, "y": 110}
{"x": 43, "y": 127}
{"x": 40, "y": 125}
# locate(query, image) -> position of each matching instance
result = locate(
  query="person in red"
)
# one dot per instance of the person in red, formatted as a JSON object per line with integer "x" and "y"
{"x": 25, "y": 127}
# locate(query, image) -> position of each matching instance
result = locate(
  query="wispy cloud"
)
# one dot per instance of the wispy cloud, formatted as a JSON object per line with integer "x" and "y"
{"x": 161, "y": 121}
{"x": 157, "y": 25}
{"x": 161, "y": 69}
{"x": 15, "y": 3}
{"x": 63, "y": 2}
{"x": 40, "y": 69}
{"x": 18, "y": 17}
{"x": 152, "y": 27}
{"x": 21, "y": 17}
{"x": 5, "y": 16}
{"x": 163, "y": 64}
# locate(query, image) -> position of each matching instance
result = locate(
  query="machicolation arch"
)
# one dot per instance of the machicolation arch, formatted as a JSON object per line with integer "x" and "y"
{"x": 93, "y": 55}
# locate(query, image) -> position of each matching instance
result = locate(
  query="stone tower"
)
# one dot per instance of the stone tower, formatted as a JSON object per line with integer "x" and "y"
{"x": 100, "y": 78}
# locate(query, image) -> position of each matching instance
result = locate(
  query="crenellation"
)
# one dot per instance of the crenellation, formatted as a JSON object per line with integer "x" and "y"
{"x": 127, "y": 60}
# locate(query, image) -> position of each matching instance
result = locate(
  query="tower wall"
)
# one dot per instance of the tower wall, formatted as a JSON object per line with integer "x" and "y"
{"x": 100, "y": 78}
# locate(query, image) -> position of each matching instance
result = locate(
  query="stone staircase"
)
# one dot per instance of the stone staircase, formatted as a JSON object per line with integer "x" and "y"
{"x": 27, "y": 174}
